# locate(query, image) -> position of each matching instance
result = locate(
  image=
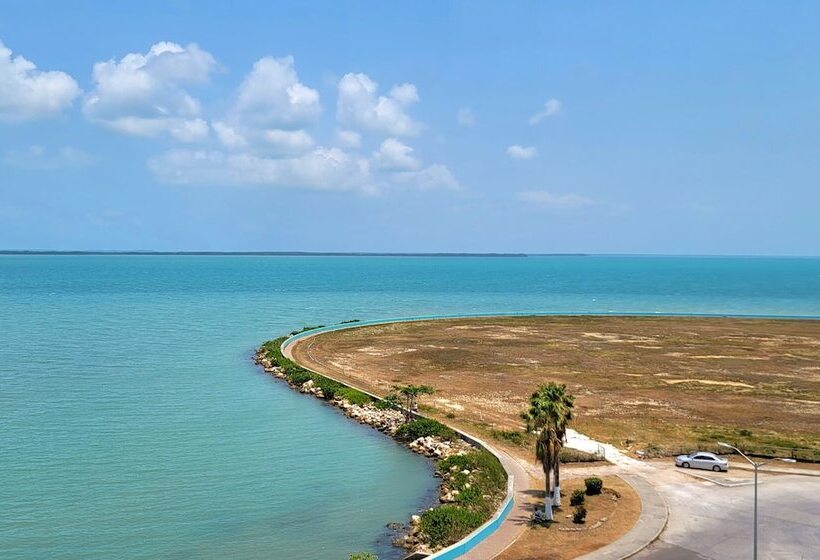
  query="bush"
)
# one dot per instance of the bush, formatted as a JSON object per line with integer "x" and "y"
{"x": 353, "y": 396}
{"x": 579, "y": 515}
{"x": 487, "y": 478}
{"x": 594, "y": 485}
{"x": 297, "y": 377}
{"x": 577, "y": 456}
{"x": 512, "y": 436}
{"x": 577, "y": 498}
{"x": 423, "y": 427}
{"x": 390, "y": 401}
{"x": 446, "y": 524}
{"x": 363, "y": 556}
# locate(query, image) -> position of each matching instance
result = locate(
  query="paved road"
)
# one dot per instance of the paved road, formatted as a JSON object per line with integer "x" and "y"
{"x": 710, "y": 522}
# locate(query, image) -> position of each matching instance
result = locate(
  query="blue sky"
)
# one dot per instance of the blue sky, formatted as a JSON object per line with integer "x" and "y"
{"x": 601, "y": 127}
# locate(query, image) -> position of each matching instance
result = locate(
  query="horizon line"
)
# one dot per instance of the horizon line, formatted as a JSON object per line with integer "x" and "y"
{"x": 116, "y": 252}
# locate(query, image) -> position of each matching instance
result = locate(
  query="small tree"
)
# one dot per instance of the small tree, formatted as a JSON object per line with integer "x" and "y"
{"x": 410, "y": 394}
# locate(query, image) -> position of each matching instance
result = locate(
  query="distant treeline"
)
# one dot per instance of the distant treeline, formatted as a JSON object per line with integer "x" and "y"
{"x": 288, "y": 253}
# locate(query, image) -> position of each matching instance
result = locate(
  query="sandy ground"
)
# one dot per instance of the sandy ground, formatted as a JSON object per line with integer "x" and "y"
{"x": 607, "y": 519}
{"x": 639, "y": 382}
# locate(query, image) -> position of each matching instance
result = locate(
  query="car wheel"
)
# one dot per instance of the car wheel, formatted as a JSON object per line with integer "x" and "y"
{"x": 685, "y": 465}
{"x": 716, "y": 468}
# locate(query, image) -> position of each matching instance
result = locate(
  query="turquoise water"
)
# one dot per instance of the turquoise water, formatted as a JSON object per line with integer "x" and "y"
{"x": 133, "y": 424}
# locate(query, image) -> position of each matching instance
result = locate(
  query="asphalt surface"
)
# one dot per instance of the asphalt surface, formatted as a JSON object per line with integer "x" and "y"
{"x": 712, "y": 522}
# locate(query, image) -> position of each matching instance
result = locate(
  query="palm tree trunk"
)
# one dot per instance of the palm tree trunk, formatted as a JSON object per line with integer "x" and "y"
{"x": 556, "y": 485}
{"x": 547, "y": 496}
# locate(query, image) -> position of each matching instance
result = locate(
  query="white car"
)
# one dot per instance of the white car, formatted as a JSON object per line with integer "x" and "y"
{"x": 702, "y": 460}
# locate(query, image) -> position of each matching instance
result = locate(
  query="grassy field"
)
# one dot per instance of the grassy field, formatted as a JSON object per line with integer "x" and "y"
{"x": 657, "y": 384}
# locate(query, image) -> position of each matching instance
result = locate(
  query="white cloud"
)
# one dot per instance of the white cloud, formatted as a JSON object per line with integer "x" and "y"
{"x": 435, "y": 176}
{"x": 270, "y": 109}
{"x": 321, "y": 169}
{"x": 28, "y": 93}
{"x": 40, "y": 157}
{"x": 288, "y": 142}
{"x": 392, "y": 155}
{"x": 556, "y": 202}
{"x": 271, "y": 96}
{"x": 465, "y": 117}
{"x": 143, "y": 94}
{"x": 551, "y": 107}
{"x": 349, "y": 138}
{"x": 229, "y": 136}
{"x": 522, "y": 152}
{"x": 359, "y": 105}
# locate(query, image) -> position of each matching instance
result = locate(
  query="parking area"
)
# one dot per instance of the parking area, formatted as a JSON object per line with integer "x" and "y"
{"x": 710, "y": 515}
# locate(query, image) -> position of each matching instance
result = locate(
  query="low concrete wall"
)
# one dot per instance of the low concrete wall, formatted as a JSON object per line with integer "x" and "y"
{"x": 473, "y": 539}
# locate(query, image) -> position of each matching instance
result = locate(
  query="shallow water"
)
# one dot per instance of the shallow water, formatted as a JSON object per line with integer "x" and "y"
{"x": 134, "y": 425}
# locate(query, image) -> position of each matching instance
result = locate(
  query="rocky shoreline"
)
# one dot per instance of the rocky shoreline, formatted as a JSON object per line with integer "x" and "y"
{"x": 388, "y": 421}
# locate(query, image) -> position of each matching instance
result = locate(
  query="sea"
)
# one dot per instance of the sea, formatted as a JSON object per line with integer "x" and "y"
{"x": 134, "y": 425}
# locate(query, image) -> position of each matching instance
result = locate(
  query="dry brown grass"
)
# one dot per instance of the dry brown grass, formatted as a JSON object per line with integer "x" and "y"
{"x": 553, "y": 543}
{"x": 639, "y": 381}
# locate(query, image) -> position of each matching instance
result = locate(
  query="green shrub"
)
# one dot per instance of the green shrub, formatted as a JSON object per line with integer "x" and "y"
{"x": 363, "y": 556}
{"x": 423, "y": 427}
{"x": 353, "y": 396}
{"x": 298, "y": 377}
{"x": 594, "y": 485}
{"x": 577, "y": 456}
{"x": 512, "y": 436}
{"x": 390, "y": 401}
{"x": 447, "y": 524}
{"x": 328, "y": 386}
{"x": 577, "y": 498}
{"x": 487, "y": 478}
{"x": 579, "y": 515}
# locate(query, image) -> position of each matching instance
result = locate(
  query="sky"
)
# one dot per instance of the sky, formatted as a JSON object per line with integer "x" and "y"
{"x": 539, "y": 127}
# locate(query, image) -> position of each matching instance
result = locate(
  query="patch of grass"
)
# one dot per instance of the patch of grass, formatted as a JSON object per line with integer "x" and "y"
{"x": 487, "y": 478}
{"x": 514, "y": 437}
{"x": 447, "y": 524}
{"x": 353, "y": 396}
{"x": 424, "y": 427}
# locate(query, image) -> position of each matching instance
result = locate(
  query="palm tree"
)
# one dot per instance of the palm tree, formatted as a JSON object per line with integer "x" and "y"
{"x": 549, "y": 413}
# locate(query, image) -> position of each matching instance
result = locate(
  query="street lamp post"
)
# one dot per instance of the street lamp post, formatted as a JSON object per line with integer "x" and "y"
{"x": 756, "y": 467}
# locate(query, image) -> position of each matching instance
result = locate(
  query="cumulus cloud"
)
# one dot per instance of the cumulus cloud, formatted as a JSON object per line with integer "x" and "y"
{"x": 551, "y": 107}
{"x": 360, "y": 106}
{"x": 321, "y": 169}
{"x": 144, "y": 95}
{"x": 392, "y": 155}
{"x": 40, "y": 157}
{"x": 29, "y": 93}
{"x": 270, "y": 110}
{"x": 556, "y": 202}
{"x": 465, "y": 117}
{"x": 522, "y": 152}
{"x": 272, "y": 96}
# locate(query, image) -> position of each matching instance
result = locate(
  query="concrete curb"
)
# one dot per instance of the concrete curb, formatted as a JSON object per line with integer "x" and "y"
{"x": 651, "y": 523}
{"x": 764, "y": 470}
